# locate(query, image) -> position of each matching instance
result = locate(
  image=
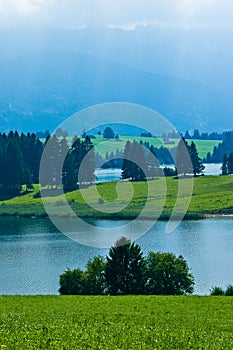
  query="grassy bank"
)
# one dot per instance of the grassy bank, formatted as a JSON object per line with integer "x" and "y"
{"x": 211, "y": 195}
{"x": 131, "y": 322}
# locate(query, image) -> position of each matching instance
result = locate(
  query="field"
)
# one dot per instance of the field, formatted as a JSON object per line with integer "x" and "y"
{"x": 203, "y": 146}
{"x": 211, "y": 195}
{"x": 129, "y": 322}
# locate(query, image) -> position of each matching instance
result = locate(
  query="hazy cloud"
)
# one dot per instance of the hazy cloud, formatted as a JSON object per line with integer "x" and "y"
{"x": 77, "y": 13}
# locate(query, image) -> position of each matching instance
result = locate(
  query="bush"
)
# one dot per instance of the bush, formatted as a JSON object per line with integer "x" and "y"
{"x": 229, "y": 291}
{"x": 167, "y": 275}
{"x": 217, "y": 291}
{"x": 73, "y": 282}
{"x": 96, "y": 283}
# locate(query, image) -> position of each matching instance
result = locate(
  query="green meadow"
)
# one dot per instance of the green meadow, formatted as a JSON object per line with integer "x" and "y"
{"x": 210, "y": 195}
{"x": 203, "y": 146}
{"x": 111, "y": 323}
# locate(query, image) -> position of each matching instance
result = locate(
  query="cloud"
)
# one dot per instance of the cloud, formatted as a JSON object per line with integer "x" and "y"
{"x": 121, "y": 13}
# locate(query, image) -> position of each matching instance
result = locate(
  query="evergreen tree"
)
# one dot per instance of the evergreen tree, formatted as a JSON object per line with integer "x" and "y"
{"x": 198, "y": 167}
{"x": 14, "y": 169}
{"x": 127, "y": 164}
{"x": 224, "y": 167}
{"x": 134, "y": 165}
{"x": 124, "y": 268}
{"x": 86, "y": 169}
{"x": 230, "y": 163}
{"x": 183, "y": 161}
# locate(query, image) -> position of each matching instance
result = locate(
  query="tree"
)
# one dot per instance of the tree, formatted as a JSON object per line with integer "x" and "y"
{"x": 183, "y": 161}
{"x": 124, "y": 268}
{"x": 198, "y": 167}
{"x": 127, "y": 164}
{"x": 108, "y": 133}
{"x": 187, "y": 135}
{"x": 230, "y": 163}
{"x": 73, "y": 282}
{"x": 96, "y": 276}
{"x": 167, "y": 274}
{"x": 14, "y": 168}
{"x": 86, "y": 166}
{"x": 224, "y": 167}
{"x": 135, "y": 162}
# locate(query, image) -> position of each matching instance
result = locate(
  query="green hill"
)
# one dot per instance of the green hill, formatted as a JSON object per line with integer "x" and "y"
{"x": 211, "y": 195}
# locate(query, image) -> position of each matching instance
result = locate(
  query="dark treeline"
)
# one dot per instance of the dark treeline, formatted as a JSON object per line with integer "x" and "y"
{"x": 204, "y": 135}
{"x": 227, "y": 164}
{"x": 20, "y": 159}
{"x": 63, "y": 163}
{"x": 141, "y": 160}
{"x": 225, "y": 147}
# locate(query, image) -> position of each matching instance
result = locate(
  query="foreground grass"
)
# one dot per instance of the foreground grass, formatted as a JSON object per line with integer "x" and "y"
{"x": 211, "y": 195}
{"x": 130, "y": 322}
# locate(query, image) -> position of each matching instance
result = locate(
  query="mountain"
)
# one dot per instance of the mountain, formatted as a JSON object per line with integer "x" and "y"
{"x": 39, "y": 91}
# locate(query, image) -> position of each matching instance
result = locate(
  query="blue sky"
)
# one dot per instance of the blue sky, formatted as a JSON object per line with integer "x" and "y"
{"x": 204, "y": 14}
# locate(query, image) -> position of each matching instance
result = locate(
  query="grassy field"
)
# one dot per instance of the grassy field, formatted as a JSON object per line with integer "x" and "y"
{"x": 203, "y": 146}
{"x": 211, "y": 195}
{"x": 129, "y": 322}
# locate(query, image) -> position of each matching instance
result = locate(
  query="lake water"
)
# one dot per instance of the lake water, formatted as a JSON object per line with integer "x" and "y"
{"x": 33, "y": 253}
{"x": 106, "y": 175}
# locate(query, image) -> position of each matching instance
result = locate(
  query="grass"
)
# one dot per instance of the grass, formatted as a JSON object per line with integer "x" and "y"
{"x": 211, "y": 195}
{"x": 103, "y": 146}
{"x": 103, "y": 322}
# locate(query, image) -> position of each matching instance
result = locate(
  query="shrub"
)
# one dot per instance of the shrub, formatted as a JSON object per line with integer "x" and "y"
{"x": 73, "y": 282}
{"x": 168, "y": 275}
{"x": 96, "y": 283}
{"x": 217, "y": 291}
{"x": 229, "y": 291}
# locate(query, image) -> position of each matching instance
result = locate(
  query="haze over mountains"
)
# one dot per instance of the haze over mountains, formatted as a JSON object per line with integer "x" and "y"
{"x": 48, "y": 74}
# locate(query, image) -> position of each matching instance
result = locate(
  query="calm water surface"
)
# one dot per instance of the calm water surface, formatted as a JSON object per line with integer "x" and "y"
{"x": 33, "y": 254}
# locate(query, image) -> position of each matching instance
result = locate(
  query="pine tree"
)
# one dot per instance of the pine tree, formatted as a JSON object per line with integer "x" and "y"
{"x": 198, "y": 167}
{"x": 183, "y": 161}
{"x": 224, "y": 167}
{"x": 135, "y": 165}
{"x": 230, "y": 163}
{"x": 124, "y": 268}
{"x": 127, "y": 164}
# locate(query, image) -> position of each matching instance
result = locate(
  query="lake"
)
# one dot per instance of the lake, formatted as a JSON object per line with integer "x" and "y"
{"x": 33, "y": 253}
{"x": 106, "y": 175}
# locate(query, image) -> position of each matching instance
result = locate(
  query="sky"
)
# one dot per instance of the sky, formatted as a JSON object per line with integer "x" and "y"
{"x": 190, "y": 14}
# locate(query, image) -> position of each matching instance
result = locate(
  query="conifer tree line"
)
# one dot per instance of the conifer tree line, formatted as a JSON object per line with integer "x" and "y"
{"x": 225, "y": 147}
{"x": 227, "y": 164}
{"x": 140, "y": 161}
{"x": 63, "y": 163}
{"x": 20, "y": 157}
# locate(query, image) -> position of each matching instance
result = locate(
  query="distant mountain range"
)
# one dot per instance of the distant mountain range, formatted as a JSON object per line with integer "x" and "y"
{"x": 41, "y": 87}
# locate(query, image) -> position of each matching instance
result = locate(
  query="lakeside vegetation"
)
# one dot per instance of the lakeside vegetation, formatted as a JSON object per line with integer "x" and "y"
{"x": 211, "y": 195}
{"x": 104, "y": 322}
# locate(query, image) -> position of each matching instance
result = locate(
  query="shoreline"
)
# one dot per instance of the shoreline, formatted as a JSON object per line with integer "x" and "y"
{"x": 188, "y": 217}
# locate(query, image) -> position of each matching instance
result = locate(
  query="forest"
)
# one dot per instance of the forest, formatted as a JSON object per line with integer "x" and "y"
{"x": 20, "y": 159}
